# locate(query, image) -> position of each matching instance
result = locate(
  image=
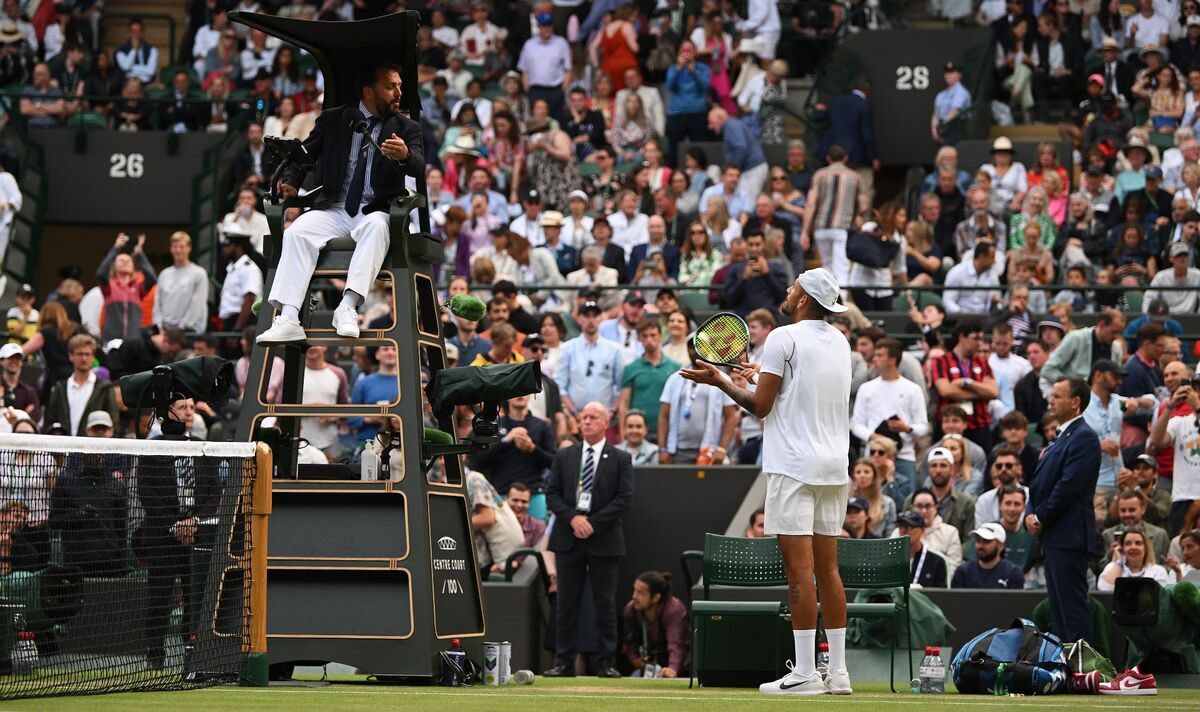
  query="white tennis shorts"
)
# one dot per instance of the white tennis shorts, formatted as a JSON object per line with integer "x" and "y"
{"x": 796, "y": 508}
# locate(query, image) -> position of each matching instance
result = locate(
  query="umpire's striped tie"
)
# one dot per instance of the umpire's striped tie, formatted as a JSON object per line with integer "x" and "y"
{"x": 589, "y": 472}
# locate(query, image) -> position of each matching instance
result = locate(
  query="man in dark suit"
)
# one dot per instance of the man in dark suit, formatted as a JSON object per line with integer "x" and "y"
{"x": 589, "y": 489}
{"x": 1060, "y": 510}
{"x": 359, "y": 183}
{"x": 177, "y": 495}
{"x": 1118, "y": 76}
{"x": 1059, "y": 59}
{"x": 852, "y": 126}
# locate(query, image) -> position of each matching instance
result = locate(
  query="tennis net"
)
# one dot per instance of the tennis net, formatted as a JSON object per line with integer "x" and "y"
{"x": 124, "y": 565}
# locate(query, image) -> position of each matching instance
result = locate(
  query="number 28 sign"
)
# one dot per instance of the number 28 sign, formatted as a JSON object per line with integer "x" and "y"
{"x": 909, "y": 78}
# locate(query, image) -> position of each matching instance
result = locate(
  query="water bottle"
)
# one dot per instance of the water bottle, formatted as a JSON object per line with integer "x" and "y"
{"x": 369, "y": 462}
{"x": 24, "y": 654}
{"x": 454, "y": 664}
{"x": 933, "y": 672}
{"x": 925, "y": 672}
{"x": 823, "y": 658}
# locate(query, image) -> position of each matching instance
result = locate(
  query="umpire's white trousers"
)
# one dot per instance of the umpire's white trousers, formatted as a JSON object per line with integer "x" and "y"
{"x": 831, "y": 246}
{"x": 302, "y": 243}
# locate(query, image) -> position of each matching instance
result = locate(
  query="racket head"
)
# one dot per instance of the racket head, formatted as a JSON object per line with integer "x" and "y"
{"x": 723, "y": 340}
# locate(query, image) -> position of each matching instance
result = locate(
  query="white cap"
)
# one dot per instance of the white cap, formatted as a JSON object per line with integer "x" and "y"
{"x": 10, "y": 350}
{"x": 97, "y": 418}
{"x": 1192, "y": 20}
{"x": 577, "y": 194}
{"x": 991, "y": 531}
{"x": 940, "y": 453}
{"x": 820, "y": 285}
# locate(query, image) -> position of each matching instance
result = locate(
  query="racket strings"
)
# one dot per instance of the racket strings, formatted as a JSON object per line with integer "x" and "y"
{"x": 723, "y": 340}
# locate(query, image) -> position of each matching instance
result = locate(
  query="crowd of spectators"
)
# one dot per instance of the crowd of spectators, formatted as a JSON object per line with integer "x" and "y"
{"x": 560, "y": 188}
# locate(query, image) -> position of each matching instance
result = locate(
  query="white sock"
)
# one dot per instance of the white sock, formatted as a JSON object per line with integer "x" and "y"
{"x": 290, "y": 312}
{"x": 806, "y": 652}
{"x": 837, "y": 648}
{"x": 350, "y": 300}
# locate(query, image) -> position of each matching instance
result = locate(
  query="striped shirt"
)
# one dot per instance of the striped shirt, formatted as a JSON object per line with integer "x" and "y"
{"x": 836, "y": 190}
{"x": 951, "y": 366}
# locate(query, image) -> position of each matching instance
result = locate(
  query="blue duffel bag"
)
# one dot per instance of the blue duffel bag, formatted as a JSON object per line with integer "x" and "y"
{"x": 1019, "y": 659}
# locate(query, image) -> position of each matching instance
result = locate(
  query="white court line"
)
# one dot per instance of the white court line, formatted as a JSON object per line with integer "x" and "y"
{"x": 951, "y": 700}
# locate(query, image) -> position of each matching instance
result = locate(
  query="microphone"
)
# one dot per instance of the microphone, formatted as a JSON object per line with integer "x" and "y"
{"x": 464, "y": 306}
{"x": 358, "y": 124}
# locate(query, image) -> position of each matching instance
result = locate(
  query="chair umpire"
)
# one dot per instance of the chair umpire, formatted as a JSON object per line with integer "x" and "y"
{"x": 359, "y": 183}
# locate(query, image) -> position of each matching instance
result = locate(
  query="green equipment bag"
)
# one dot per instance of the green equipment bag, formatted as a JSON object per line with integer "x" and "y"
{"x": 1082, "y": 658}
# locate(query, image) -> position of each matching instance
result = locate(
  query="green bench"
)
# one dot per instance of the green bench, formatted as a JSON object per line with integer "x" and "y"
{"x": 721, "y": 629}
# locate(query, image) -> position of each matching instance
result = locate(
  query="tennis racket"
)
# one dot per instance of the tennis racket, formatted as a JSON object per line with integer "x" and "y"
{"x": 723, "y": 340}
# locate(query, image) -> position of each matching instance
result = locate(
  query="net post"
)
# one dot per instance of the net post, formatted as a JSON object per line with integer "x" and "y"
{"x": 254, "y": 668}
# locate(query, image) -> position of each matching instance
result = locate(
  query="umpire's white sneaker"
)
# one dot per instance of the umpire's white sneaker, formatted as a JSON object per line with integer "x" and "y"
{"x": 838, "y": 682}
{"x": 282, "y": 331}
{"x": 793, "y": 684}
{"x": 345, "y": 322}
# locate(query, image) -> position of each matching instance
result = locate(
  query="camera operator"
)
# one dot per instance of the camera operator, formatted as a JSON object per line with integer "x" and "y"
{"x": 177, "y": 496}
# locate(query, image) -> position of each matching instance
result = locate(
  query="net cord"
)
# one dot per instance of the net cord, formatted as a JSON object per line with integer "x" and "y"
{"x": 67, "y": 445}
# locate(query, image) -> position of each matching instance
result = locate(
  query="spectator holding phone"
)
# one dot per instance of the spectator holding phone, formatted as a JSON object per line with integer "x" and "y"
{"x": 1132, "y": 556}
{"x": 1178, "y": 431}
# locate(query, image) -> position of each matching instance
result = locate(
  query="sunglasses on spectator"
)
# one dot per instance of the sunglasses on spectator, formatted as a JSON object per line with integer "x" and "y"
{"x": 1005, "y": 465}
{"x": 875, "y": 452}
{"x": 699, "y": 232}
{"x": 536, "y": 349}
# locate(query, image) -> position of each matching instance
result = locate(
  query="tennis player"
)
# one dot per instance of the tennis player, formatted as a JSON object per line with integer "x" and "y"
{"x": 803, "y": 396}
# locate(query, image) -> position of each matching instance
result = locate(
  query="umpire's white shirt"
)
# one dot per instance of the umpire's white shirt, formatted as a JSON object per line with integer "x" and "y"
{"x": 807, "y": 433}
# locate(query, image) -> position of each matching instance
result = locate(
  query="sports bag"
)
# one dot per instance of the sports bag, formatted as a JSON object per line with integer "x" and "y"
{"x": 1082, "y": 658}
{"x": 1020, "y": 659}
{"x": 869, "y": 251}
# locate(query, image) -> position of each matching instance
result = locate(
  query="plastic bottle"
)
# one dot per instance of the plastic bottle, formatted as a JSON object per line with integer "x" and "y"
{"x": 369, "y": 461}
{"x": 823, "y": 658}
{"x": 458, "y": 656}
{"x": 925, "y": 672}
{"x": 937, "y": 672}
{"x": 24, "y": 654}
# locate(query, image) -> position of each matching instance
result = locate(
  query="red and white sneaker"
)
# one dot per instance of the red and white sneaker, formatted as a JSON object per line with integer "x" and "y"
{"x": 1130, "y": 682}
{"x": 1087, "y": 683}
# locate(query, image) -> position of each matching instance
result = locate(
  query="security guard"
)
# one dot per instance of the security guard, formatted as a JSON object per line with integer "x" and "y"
{"x": 243, "y": 283}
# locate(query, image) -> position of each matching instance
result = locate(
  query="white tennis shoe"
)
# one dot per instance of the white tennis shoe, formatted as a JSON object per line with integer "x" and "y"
{"x": 345, "y": 322}
{"x": 793, "y": 684}
{"x": 282, "y": 331}
{"x": 838, "y": 682}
